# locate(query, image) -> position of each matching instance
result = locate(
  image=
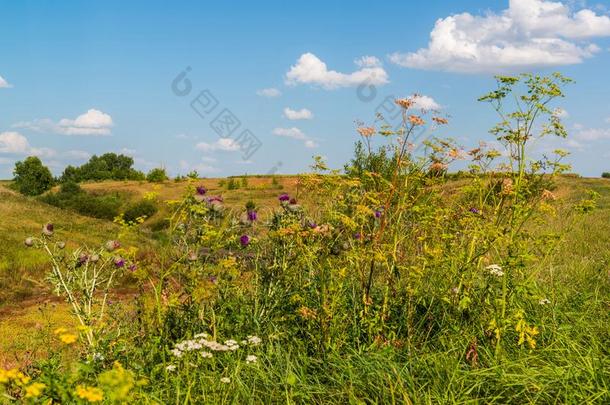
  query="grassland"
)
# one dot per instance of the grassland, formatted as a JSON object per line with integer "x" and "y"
{"x": 574, "y": 367}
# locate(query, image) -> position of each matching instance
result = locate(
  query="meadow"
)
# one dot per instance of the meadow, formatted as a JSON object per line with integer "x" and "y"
{"x": 394, "y": 280}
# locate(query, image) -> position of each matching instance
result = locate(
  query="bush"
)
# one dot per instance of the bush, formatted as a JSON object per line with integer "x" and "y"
{"x": 232, "y": 184}
{"x": 72, "y": 197}
{"x": 108, "y": 166}
{"x": 143, "y": 208}
{"x": 32, "y": 177}
{"x": 156, "y": 175}
{"x": 606, "y": 175}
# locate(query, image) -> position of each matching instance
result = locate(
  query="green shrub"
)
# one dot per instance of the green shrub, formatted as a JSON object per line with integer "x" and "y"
{"x": 156, "y": 175}
{"x": 108, "y": 166}
{"x": 143, "y": 208}
{"x": 606, "y": 175}
{"x": 232, "y": 184}
{"x": 32, "y": 177}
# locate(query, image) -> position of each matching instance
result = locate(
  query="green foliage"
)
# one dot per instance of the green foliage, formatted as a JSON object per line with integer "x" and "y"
{"x": 193, "y": 175}
{"x": 141, "y": 209}
{"x": 72, "y": 197}
{"x": 232, "y": 184}
{"x": 32, "y": 177}
{"x": 157, "y": 175}
{"x": 606, "y": 175}
{"x": 108, "y": 166}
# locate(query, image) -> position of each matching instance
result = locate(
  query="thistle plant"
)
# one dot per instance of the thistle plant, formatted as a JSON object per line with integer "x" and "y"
{"x": 83, "y": 277}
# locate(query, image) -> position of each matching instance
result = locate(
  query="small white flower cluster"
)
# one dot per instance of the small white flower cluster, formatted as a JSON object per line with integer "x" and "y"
{"x": 252, "y": 340}
{"x": 251, "y": 358}
{"x": 201, "y": 341}
{"x": 495, "y": 270}
{"x": 544, "y": 301}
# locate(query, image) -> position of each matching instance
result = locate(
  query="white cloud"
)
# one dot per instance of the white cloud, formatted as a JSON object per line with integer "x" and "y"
{"x": 302, "y": 114}
{"x": 93, "y": 122}
{"x": 529, "y": 34}
{"x": 368, "y": 61}
{"x": 592, "y": 134}
{"x": 222, "y": 144}
{"x": 4, "y": 84}
{"x": 424, "y": 102}
{"x": 269, "y": 92}
{"x": 309, "y": 69}
{"x": 12, "y": 142}
{"x": 201, "y": 168}
{"x": 295, "y": 133}
{"x": 607, "y": 120}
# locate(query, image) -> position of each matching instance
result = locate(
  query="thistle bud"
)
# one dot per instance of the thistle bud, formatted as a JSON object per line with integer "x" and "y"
{"x": 112, "y": 245}
{"x": 47, "y": 230}
{"x": 61, "y": 245}
{"x": 29, "y": 242}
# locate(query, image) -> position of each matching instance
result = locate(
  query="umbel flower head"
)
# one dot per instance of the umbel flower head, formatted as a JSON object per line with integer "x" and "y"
{"x": 47, "y": 229}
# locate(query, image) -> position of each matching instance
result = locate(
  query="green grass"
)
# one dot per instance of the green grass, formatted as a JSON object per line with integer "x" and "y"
{"x": 570, "y": 365}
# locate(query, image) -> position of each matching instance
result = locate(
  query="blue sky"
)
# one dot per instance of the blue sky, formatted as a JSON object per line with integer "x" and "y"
{"x": 82, "y": 78}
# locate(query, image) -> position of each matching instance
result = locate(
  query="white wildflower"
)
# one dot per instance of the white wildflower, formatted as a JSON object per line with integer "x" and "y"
{"x": 177, "y": 352}
{"x": 544, "y": 301}
{"x": 254, "y": 340}
{"x": 202, "y": 335}
{"x": 251, "y": 358}
{"x": 170, "y": 367}
{"x": 225, "y": 380}
{"x": 495, "y": 270}
{"x": 205, "y": 355}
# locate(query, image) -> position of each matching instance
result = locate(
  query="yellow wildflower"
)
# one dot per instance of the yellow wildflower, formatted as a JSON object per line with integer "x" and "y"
{"x": 34, "y": 390}
{"x": 68, "y": 338}
{"x": 91, "y": 394}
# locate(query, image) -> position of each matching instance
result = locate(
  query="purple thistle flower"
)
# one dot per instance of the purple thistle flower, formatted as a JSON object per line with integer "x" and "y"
{"x": 244, "y": 240}
{"x": 119, "y": 262}
{"x": 48, "y": 229}
{"x": 358, "y": 235}
{"x": 213, "y": 279}
{"x": 201, "y": 190}
{"x": 284, "y": 197}
{"x": 133, "y": 267}
{"x": 293, "y": 201}
{"x": 378, "y": 214}
{"x": 252, "y": 216}
{"x": 82, "y": 259}
{"x": 474, "y": 210}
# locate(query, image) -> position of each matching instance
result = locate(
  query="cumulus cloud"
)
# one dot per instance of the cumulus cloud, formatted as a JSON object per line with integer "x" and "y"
{"x": 269, "y": 92}
{"x": 302, "y": 114}
{"x": 309, "y": 69}
{"x": 529, "y": 34}
{"x": 12, "y": 142}
{"x": 91, "y": 123}
{"x": 295, "y": 133}
{"x": 4, "y": 84}
{"x": 423, "y": 102}
{"x": 222, "y": 144}
{"x": 367, "y": 61}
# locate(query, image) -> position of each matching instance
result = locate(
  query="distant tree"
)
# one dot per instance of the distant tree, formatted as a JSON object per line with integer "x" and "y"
{"x": 157, "y": 175}
{"x": 108, "y": 166}
{"x": 606, "y": 175}
{"x": 32, "y": 177}
{"x": 193, "y": 175}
